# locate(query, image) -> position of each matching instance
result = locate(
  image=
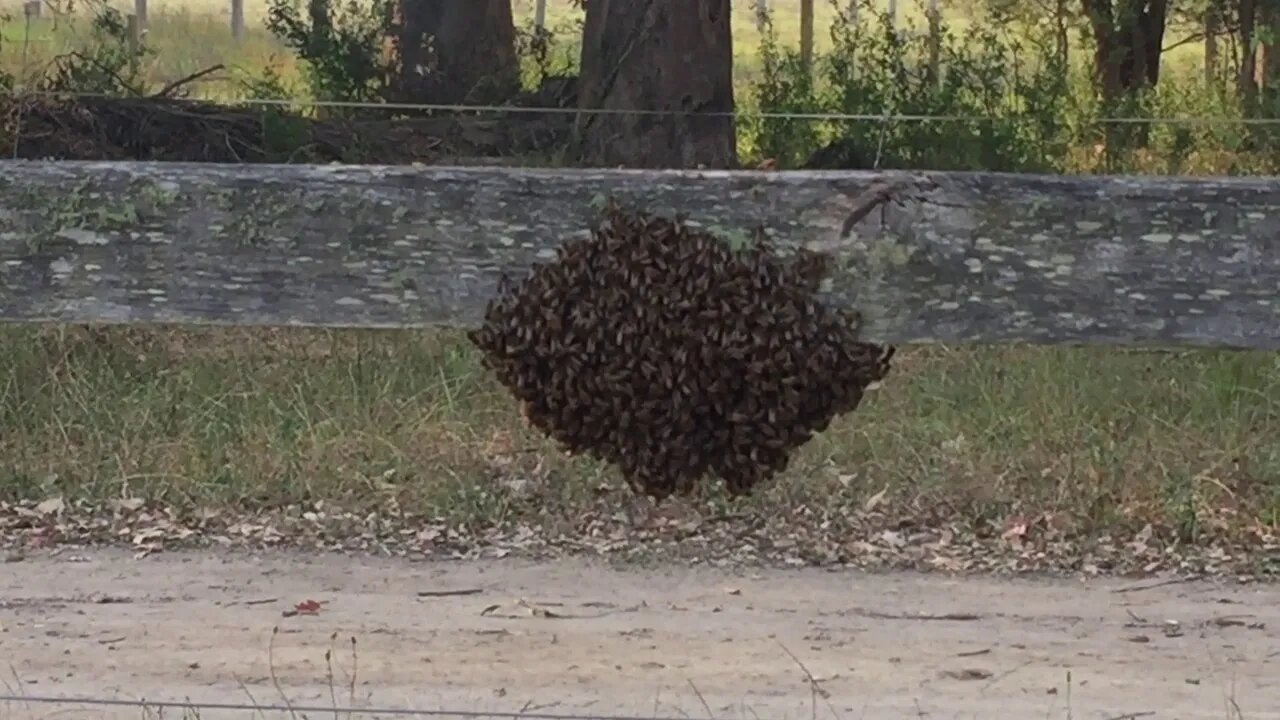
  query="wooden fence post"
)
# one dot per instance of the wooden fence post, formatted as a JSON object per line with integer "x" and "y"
{"x": 806, "y": 34}
{"x": 237, "y": 19}
{"x": 540, "y": 15}
{"x": 134, "y": 31}
{"x": 934, "y": 17}
{"x": 140, "y": 10}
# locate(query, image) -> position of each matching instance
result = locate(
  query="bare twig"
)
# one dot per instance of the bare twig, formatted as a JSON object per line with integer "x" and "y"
{"x": 956, "y": 616}
{"x": 701, "y": 699}
{"x": 449, "y": 593}
{"x": 355, "y": 671}
{"x": 1160, "y": 584}
{"x": 176, "y": 84}
{"x": 19, "y": 689}
{"x": 328, "y": 670}
{"x": 815, "y": 687}
{"x": 271, "y": 668}
{"x": 252, "y": 700}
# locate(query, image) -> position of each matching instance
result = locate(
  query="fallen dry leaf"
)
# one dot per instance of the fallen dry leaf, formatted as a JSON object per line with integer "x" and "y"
{"x": 874, "y": 501}
{"x": 306, "y": 607}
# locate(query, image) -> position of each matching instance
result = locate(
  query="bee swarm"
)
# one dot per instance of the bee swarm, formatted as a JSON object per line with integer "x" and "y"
{"x": 660, "y": 349}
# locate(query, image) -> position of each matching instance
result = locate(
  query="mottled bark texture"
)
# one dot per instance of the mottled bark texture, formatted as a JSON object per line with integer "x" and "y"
{"x": 1270, "y": 51}
{"x": 924, "y": 257}
{"x": 456, "y": 51}
{"x": 1128, "y": 38}
{"x": 1247, "y": 81}
{"x": 1214, "y": 14}
{"x": 674, "y": 56}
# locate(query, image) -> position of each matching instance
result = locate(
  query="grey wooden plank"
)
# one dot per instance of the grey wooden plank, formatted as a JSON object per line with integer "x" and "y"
{"x": 925, "y": 257}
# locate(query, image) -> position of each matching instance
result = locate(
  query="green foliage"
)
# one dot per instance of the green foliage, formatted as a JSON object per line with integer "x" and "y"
{"x": 783, "y": 88}
{"x": 1002, "y": 100}
{"x": 7, "y": 81}
{"x": 550, "y": 52}
{"x": 109, "y": 63}
{"x": 284, "y": 130}
{"x": 341, "y": 43}
{"x": 1003, "y": 97}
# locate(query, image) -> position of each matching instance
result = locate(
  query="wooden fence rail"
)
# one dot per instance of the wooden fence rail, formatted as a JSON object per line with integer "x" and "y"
{"x": 925, "y": 257}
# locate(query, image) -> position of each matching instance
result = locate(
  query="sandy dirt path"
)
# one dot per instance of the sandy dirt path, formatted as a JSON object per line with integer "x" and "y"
{"x": 594, "y": 640}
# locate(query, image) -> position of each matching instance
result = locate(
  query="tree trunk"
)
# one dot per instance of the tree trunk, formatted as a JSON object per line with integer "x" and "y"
{"x": 1271, "y": 57}
{"x": 1128, "y": 38}
{"x": 1212, "y": 26}
{"x": 456, "y": 51}
{"x": 657, "y": 55}
{"x": 1062, "y": 19}
{"x": 1248, "y": 79}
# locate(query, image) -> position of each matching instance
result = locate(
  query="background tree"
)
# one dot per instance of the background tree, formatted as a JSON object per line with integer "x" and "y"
{"x": 666, "y": 55}
{"x": 455, "y": 51}
{"x": 1260, "y": 71}
{"x": 1128, "y": 37}
{"x": 1271, "y": 56}
{"x": 1033, "y": 17}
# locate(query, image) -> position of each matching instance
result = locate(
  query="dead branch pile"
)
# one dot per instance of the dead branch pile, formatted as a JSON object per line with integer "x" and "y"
{"x": 162, "y": 128}
{"x": 664, "y": 351}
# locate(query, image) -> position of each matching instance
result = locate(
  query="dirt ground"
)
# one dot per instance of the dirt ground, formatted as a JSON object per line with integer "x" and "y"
{"x": 575, "y": 637}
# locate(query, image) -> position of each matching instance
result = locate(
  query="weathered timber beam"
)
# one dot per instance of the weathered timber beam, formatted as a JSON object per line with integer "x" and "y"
{"x": 925, "y": 257}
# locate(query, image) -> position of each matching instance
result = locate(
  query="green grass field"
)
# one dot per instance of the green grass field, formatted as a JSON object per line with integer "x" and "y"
{"x": 367, "y": 420}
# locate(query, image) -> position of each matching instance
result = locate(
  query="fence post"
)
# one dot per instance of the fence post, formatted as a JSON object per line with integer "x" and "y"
{"x": 762, "y": 14}
{"x": 140, "y": 10}
{"x": 32, "y": 10}
{"x": 540, "y": 15}
{"x": 237, "y": 19}
{"x": 806, "y": 34}
{"x": 934, "y": 17}
{"x": 134, "y": 32}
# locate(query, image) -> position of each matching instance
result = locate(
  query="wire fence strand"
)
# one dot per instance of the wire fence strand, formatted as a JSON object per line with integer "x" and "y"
{"x": 740, "y": 115}
{"x": 295, "y": 709}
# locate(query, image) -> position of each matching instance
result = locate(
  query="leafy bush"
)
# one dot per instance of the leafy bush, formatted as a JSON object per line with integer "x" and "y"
{"x": 109, "y": 62}
{"x": 341, "y": 44}
{"x": 1002, "y": 100}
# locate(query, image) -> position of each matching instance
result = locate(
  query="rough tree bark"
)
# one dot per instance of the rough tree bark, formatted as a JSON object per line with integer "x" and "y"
{"x": 1213, "y": 15}
{"x": 1128, "y": 36}
{"x": 1270, "y": 47}
{"x": 657, "y": 55}
{"x": 1062, "y": 31}
{"x": 454, "y": 51}
{"x": 1248, "y": 79}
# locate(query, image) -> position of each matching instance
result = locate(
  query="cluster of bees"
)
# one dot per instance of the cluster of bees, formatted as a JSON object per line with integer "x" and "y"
{"x": 664, "y": 351}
